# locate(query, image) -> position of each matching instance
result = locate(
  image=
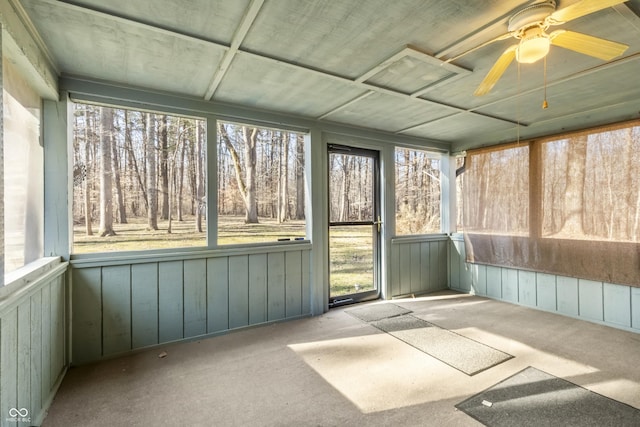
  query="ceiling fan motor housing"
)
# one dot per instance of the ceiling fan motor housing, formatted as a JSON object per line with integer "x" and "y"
{"x": 531, "y": 15}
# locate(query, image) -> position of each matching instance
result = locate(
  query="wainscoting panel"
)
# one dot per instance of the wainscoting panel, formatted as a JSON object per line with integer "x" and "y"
{"x": 605, "y": 303}
{"x": 418, "y": 265}
{"x": 124, "y": 304}
{"x": 33, "y": 351}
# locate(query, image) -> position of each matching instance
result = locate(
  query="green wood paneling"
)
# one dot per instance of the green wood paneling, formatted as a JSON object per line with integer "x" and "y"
{"x": 306, "y": 282}
{"x": 293, "y": 283}
{"x": 567, "y": 295}
{"x": 427, "y": 284}
{"x": 435, "y": 267}
{"x": 170, "y": 301}
{"x": 494, "y": 282}
{"x": 116, "y": 309}
{"x": 144, "y": 303}
{"x": 395, "y": 270}
{"x": 635, "y": 308}
{"x": 195, "y": 297}
{"x": 217, "y": 294}
{"x": 509, "y": 284}
{"x": 442, "y": 264}
{"x": 590, "y": 300}
{"x": 257, "y": 288}
{"x": 546, "y": 291}
{"x": 23, "y": 371}
{"x": 415, "y": 282}
{"x": 405, "y": 269}
{"x": 527, "y": 288}
{"x": 617, "y": 304}
{"x": 87, "y": 314}
{"x": 9, "y": 360}
{"x": 275, "y": 283}
{"x": 58, "y": 327}
{"x": 454, "y": 266}
{"x": 28, "y": 326}
{"x": 36, "y": 349}
{"x": 238, "y": 291}
{"x": 46, "y": 313}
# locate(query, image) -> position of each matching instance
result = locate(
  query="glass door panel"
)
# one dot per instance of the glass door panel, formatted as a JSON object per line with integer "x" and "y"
{"x": 354, "y": 225}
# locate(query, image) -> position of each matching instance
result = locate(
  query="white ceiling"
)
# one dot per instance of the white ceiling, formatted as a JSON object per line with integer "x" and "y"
{"x": 367, "y": 63}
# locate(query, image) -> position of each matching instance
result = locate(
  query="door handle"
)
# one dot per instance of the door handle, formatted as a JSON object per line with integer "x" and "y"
{"x": 378, "y": 223}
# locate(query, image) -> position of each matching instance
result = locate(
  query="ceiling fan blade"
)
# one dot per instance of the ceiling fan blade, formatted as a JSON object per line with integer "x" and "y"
{"x": 588, "y": 45}
{"x": 473, "y": 49}
{"x": 581, "y": 8}
{"x": 496, "y": 71}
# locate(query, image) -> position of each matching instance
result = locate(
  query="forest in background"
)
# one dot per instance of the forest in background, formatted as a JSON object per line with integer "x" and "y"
{"x": 589, "y": 187}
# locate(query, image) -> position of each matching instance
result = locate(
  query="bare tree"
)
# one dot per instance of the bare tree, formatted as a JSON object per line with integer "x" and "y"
{"x": 247, "y": 181}
{"x": 574, "y": 193}
{"x": 164, "y": 167}
{"x": 106, "y": 182}
{"x": 152, "y": 188}
{"x": 88, "y": 171}
{"x": 300, "y": 196}
{"x": 199, "y": 178}
{"x": 283, "y": 208}
{"x": 115, "y": 164}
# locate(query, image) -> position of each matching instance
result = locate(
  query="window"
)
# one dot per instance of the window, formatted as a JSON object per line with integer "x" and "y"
{"x": 497, "y": 190}
{"x": 261, "y": 187}
{"x": 417, "y": 192}
{"x": 23, "y": 171}
{"x": 567, "y": 205}
{"x": 138, "y": 180}
{"x": 591, "y": 186}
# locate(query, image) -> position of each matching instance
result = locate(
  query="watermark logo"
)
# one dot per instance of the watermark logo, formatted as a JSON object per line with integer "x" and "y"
{"x": 19, "y": 415}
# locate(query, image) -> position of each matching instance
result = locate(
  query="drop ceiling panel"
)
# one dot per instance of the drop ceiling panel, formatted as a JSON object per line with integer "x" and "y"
{"x": 408, "y": 75}
{"x": 351, "y": 37}
{"x": 215, "y": 20}
{"x": 475, "y": 127}
{"x": 264, "y": 83}
{"x": 582, "y": 94}
{"x": 389, "y": 112}
{"x": 115, "y": 50}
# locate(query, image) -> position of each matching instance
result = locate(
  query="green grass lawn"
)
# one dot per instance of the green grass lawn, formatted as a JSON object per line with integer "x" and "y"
{"x": 350, "y": 252}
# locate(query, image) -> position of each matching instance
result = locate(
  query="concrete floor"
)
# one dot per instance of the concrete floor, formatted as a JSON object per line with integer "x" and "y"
{"x": 335, "y": 370}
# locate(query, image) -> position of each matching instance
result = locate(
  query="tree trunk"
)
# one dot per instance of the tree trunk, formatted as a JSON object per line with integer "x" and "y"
{"x": 300, "y": 177}
{"x": 199, "y": 179}
{"x": 115, "y": 163}
{"x": 164, "y": 167}
{"x": 152, "y": 188}
{"x": 129, "y": 146}
{"x": 87, "y": 178}
{"x": 574, "y": 193}
{"x": 283, "y": 210}
{"x": 344, "y": 190}
{"x": 246, "y": 182}
{"x": 180, "y": 181}
{"x": 251, "y": 199}
{"x": 106, "y": 183}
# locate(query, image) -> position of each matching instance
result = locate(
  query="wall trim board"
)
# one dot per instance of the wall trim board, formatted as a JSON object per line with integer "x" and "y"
{"x": 143, "y": 257}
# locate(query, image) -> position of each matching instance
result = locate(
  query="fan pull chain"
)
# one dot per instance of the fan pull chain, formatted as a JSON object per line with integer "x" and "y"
{"x": 545, "y": 104}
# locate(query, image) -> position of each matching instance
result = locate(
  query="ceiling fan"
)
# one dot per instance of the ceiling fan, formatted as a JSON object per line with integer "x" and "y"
{"x": 530, "y": 24}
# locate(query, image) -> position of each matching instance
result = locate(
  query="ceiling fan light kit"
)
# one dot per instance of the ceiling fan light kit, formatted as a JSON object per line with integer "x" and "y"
{"x": 533, "y": 46}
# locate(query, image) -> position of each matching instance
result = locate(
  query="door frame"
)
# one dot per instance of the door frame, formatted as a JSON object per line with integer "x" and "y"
{"x": 335, "y": 301}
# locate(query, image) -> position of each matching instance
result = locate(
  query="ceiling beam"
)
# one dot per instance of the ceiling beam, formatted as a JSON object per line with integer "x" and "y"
{"x": 238, "y": 37}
